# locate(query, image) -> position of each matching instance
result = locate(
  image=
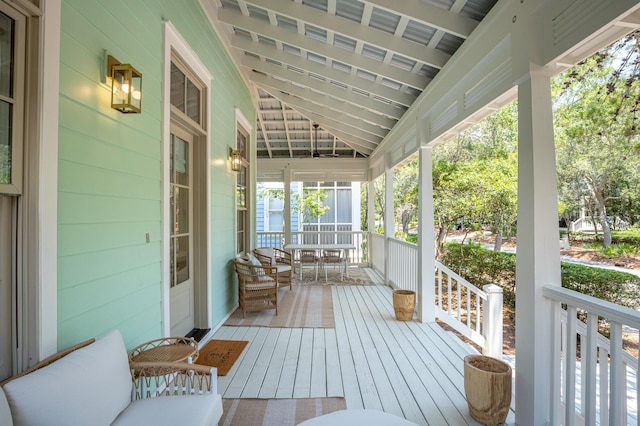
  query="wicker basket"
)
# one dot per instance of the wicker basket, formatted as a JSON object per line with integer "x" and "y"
{"x": 404, "y": 302}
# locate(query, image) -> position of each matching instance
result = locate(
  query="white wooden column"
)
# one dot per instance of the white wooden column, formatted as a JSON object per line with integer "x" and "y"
{"x": 426, "y": 238}
{"x": 538, "y": 255}
{"x": 371, "y": 216}
{"x": 389, "y": 225}
{"x": 287, "y": 205}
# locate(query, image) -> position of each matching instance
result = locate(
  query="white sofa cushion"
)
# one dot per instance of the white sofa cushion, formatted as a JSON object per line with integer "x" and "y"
{"x": 5, "y": 411}
{"x": 89, "y": 386}
{"x": 192, "y": 410}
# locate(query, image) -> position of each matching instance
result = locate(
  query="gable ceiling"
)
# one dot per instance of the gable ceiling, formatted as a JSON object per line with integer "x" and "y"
{"x": 353, "y": 67}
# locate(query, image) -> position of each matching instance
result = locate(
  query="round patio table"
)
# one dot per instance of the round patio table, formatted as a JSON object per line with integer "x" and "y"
{"x": 167, "y": 349}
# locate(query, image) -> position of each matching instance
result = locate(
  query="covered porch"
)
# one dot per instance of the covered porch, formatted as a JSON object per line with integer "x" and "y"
{"x": 409, "y": 369}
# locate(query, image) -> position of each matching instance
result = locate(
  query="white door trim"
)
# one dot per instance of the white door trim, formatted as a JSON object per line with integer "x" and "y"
{"x": 173, "y": 40}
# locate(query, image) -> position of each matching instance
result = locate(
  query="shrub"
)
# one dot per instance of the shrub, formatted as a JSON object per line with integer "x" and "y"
{"x": 481, "y": 266}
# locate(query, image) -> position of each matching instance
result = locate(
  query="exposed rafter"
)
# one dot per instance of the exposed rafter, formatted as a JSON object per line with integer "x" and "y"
{"x": 353, "y": 66}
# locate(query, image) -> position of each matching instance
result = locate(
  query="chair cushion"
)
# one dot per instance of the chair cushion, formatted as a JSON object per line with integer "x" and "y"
{"x": 193, "y": 410}
{"x": 357, "y": 417}
{"x": 257, "y": 271}
{"x": 89, "y": 386}
{"x": 268, "y": 252}
{"x": 283, "y": 267}
{"x": 5, "y": 411}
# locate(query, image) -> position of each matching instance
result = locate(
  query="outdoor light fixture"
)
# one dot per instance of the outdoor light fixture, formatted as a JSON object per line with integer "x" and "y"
{"x": 126, "y": 87}
{"x": 236, "y": 159}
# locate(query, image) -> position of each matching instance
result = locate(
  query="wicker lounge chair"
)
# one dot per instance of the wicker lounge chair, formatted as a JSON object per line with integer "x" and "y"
{"x": 257, "y": 286}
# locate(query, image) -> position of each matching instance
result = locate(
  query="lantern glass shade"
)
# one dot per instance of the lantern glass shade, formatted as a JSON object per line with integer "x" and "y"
{"x": 236, "y": 160}
{"x": 126, "y": 89}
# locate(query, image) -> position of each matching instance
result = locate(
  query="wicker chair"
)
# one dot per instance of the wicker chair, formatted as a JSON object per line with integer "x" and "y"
{"x": 257, "y": 286}
{"x": 271, "y": 256}
{"x": 333, "y": 257}
{"x": 309, "y": 257}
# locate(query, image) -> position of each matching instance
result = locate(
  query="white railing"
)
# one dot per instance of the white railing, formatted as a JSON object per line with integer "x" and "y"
{"x": 403, "y": 265}
{"x": 606, "y": 390}
{"x": 474, "y": 313}
{"x": 359, "y": 239}
{"x": 376, "y": 251}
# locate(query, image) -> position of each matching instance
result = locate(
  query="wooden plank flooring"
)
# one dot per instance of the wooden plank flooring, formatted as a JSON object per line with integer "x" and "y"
{"x": 408, "y": 369}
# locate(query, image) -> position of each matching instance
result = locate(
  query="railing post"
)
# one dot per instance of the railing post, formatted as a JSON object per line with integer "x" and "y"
{"x": 492, "y": 321}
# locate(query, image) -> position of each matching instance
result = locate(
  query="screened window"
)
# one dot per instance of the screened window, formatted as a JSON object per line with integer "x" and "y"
{"x": 10, "y": 103}
{"x": 186, "y": 93}
{"x": 242, "y": 191}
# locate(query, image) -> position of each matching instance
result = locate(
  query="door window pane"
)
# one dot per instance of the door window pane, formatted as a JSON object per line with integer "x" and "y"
{"x": 182, "y": 259}
{"x": 181, "y": 203}
{"x": 193, "y": 102}
{"x": 181, "y": 162}
{"x": 177, "y": 87}
{"x": 5, "y": 141}
{"x": 6, "y": 55}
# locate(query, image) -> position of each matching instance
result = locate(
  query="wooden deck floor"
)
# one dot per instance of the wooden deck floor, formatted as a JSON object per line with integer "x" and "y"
{"x": 408, "y": 369}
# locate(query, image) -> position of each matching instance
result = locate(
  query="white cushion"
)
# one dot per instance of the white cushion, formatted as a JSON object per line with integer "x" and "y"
{"x": 357, "y": 417}
{"x": 89, "y": 386}
{"x": 5, "y": 411}
{"x": 268, "y": 252}
{"x": 192, "y": 410}
{"x": 283, "y": 267}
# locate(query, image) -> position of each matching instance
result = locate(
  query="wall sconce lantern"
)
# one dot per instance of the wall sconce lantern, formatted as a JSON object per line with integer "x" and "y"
{"x": 126, "y": 87}
{"x": 236, "y": 159}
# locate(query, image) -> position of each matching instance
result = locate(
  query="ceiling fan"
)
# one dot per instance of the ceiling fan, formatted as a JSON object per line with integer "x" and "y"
{"x": 314, "y": 152}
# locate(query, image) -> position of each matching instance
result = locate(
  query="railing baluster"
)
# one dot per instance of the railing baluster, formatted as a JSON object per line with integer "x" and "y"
{"x": 604, "y": 387}
{"x": 589, "y": 354}
{"x": 618, "y": 382}
{"x": 440, "y": 290}
{"x": 449, "y": 294}
{"x": 478, "y": 312}
{"x": 468, "y": 299}
{"x": 570, "y": 368}
{"x": 556, "y": 365}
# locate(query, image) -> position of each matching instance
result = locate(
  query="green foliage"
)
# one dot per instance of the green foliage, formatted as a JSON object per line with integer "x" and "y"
{"x": 410, "y": 238}
{"x": 597, "y": 136}
{"x": 481, "y": 266}
{"x": 310, "y": 204}
{"x": 614, "y": 250}
{"x": 616, "y": 287}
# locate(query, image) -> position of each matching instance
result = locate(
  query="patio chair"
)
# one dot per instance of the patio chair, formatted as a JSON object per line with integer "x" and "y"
{"x": 271, "y": 256}
{"x": 309, "y": 257}
{"x": 257, "y": 285}
{"x": 334, "y": 258}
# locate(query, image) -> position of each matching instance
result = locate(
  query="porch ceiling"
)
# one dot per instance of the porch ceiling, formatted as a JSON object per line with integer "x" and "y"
{"x": 354, "y": 67}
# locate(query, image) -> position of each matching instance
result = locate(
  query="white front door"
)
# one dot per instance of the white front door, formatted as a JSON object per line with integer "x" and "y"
{"x": 182, "y": 316}
{"x": 7, "y": 284}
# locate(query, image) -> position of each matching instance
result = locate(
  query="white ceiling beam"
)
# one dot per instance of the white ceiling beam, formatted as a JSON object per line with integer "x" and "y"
{"x": 335, "y": 103}
{"x": 365, "y": 144}
{"x": 427, "y": 14}
{"x": 357, "y": 139}
{"x": 331, "y": 73}
{"x": 321, "y": 104}
{"x": 264, "y": 135}
{"x": 306, "y": 43}
{"x": 327, "y": 88}
{"x": 373, "y": 36}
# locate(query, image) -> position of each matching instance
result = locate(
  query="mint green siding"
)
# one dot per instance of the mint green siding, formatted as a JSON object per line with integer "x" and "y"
{"x": 110, "y": 188}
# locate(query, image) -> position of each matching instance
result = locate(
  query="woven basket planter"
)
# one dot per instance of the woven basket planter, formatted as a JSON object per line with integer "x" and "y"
{"x": 404, "y": 302}
{"x": 487, "y": 386}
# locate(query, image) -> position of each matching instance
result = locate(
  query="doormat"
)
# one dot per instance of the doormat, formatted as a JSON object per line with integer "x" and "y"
{"x": 221, "y": 354}
{"x": 198, "y": 333}
{"x": 276, "y": 412}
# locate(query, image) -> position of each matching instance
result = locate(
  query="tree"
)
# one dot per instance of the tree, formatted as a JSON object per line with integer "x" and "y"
{"x": 310, "y": 204}
{"x": 596, "y": 128}
{"x": 405, "y": 193}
